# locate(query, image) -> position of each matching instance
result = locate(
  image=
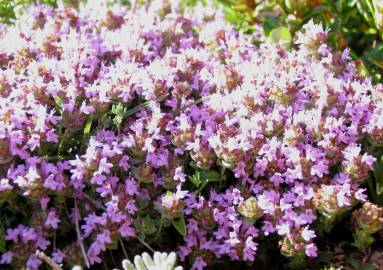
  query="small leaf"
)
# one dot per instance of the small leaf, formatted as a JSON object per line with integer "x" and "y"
{"x": 351, "y": 3}
{"x": 2, "y": 240}
{"x": 208, "y": 176}
{"x": 195, "y": 180}
{"x": 88, "y": 124}
{"x": 180, "y": 225}
{"x": 269, "y": 24}
{"x": 354, "y": 263}
{"x": 280, "y": 33}
{"x": 148, "y": 225}
{"x": 230, "y": 14}
{"x": 375, "y": 55}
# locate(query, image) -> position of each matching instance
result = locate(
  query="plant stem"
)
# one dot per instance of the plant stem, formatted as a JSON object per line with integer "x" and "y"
{"x": 123, "y": 249}
{"x": 145, "y": 244}
{"x": 48, "y": 260}
{"x": 79, "y": 237}
{"x": 159, "y": 231}
{"x": 191, "y": 104}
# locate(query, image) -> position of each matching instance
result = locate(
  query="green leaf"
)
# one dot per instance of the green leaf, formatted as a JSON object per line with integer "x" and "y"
{"x": 354, "y": 263}
{"x": 148, "y": 225}
{"x": 208, "y": 175}
{"x": 316, "y": 11}
{"x": 339, "y": 6}
{"x": 195, "y": 180}
{"x": 375, "y": 55}
{"x": 366, "y": 9}
{"x": 204, "y": 177}
{"x": 269, "y": 24}
{"x": 368, "y": 267}
{"x": 280, "y": 33}
{"x": 230, "y": 14}
{"x": 137, "y": 108}
{"x": 188, "y": 3}
{"x": 351, "y": 3}
{"x": 142, "y": 204}
{"x": 378, "y": 177}
{"x": 2, "y": 240}
{"x": 88, "y": 124}
{"x": 180, "y": 225}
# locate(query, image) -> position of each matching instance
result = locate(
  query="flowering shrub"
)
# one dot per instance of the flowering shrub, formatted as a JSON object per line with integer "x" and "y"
{"x": 133, "y": 125}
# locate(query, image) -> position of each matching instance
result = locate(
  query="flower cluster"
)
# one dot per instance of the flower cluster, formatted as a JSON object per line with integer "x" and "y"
{"x": 367, "y": 221}
{"x": 116, "y": 123}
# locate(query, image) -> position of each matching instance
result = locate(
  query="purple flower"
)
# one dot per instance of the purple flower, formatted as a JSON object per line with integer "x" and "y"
{"x": 126, "y": 230}
{"x": 183, "y": 252}
{"x": 311, "y": 250}
{"x": 58, "y": 256}
{"x": 104, "y": 166}
{"x": 6, "y": 257}
{"x": 52, "y": 219}
{"x": 179, "y": 175}
{"x": 250, "y": 249}
{"x": 33, "y": 262}
{"x": 44, "y": 202}
{"x": 131, "y": 187}
{"x": 199, "y": 264}
{"x": 359, "y": 195}
{"x": 275, "y": 135}
{"x": 12, "y": 234}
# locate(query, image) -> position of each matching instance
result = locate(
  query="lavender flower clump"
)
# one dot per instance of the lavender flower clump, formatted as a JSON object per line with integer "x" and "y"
{"x": 121, "y": 125}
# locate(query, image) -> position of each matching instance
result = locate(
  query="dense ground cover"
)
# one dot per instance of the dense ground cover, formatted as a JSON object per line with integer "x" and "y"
{"x": 124, "y": 129}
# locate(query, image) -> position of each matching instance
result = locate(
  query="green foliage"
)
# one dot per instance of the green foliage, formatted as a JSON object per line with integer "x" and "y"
{"x": 2, "y": 239}
{"x": 280, "y": 34}
{"x": 146, "y": 225}
{"x": 357, "y": 265}
{"x": 354, "y": 24}
{"x": 375, "y": 181}
{"x": 362, "y": 240}
{"x": 8, "y": 8}
{"x": 180, "y": 225}
{"x": 202, "y": 177}
{"x": 6, "y": 11}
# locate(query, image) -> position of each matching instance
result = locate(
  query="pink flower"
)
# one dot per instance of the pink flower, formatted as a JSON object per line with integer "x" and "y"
{"x": 52, "y": 220}
{"x": 58, "y": 256}
{"x": 311, "y": 250}
{"x": 126, "y": 230}
{"x": 6, "y": 258}
{"x": 33, "y": 262}
{"x": 199, "y": 264}
{"x": 131, "y": 187}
